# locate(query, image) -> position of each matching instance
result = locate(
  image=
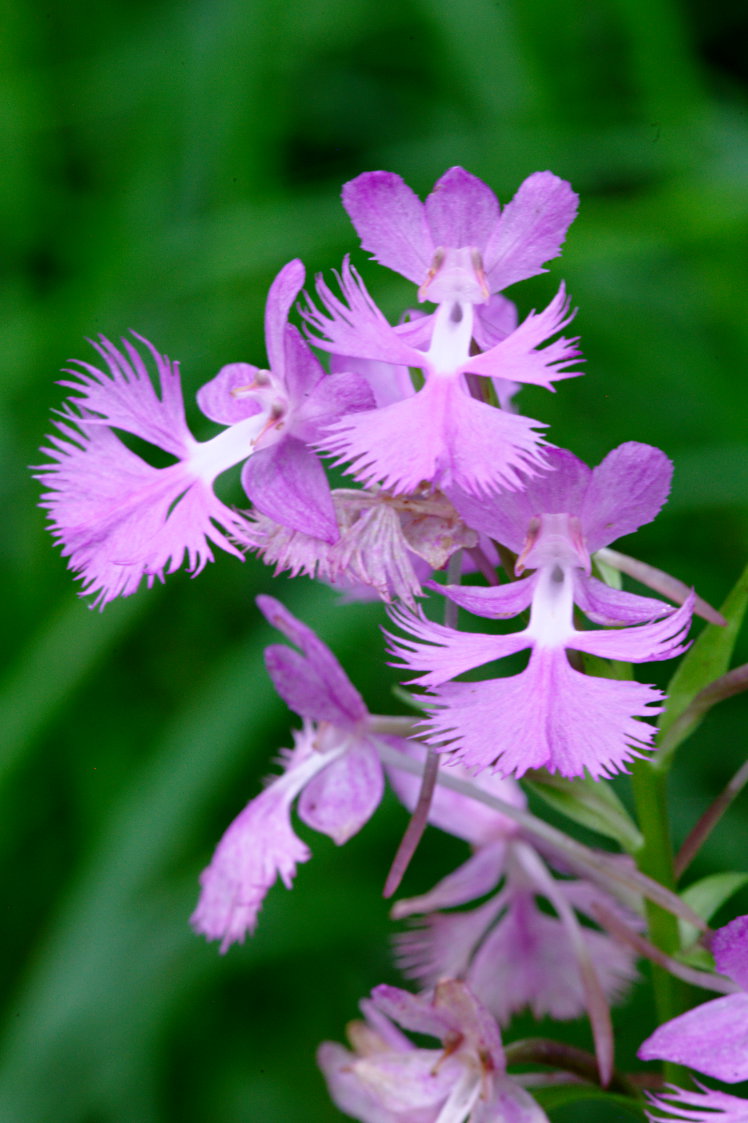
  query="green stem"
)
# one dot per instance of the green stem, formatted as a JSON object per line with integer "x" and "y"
{"x": 655, "y": 859}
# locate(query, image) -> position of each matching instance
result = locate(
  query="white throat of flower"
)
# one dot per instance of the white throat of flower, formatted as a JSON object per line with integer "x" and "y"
{"x": 450, "y": 342}
{"x": 555, "y": 547}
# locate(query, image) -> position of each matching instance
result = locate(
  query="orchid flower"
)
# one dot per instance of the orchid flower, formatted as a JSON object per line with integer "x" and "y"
{"x": 388, "y": 1079}
{"x": 551, "y": 715}
{"x": 120, "y": 519}
{"x": 439, "y": 435}
{"x": 333, "y": 772}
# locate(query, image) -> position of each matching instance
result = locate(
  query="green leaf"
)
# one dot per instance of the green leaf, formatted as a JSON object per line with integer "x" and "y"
{"x": 559, "y": 1095}
{"x": 706, "y": 896}
{"x": 592, "y": 803}
{"x": 706, "y": 661}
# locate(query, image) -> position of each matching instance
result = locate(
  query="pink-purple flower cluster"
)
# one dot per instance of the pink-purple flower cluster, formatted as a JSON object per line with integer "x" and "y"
{"x": 447, "y": 473}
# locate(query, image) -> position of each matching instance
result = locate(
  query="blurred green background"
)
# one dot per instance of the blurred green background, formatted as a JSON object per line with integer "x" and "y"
{"x": 161, "y": 161}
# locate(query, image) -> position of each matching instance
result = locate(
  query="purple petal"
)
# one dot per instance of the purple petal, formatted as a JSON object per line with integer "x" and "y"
{"x": 496, "y": 602}
{"x": 287, "y": 483}
{"x": 451, "y": 1010}
{"x": 494, "y": 321}
{"x": 288, "y": 549}
{"x": 257, "y": 848}
{"x": 409, "y": 1083}
{"x": 443, "y": 945}
{"x": 283, "y": 291}
{"x": 663, "y": 639}
{"x": 510, "y": 1103}
{"x": 374, "y": 552}
{"x": 371, "y": 552}
{"x": 528, "y": 961}
{"x": 126, "y": 398}
{"x": 704, "y": 1106}
{"x": 355, "y": 326}
{"x": 334, "y": 396}
{"x": 461, "y": 210}
{"x": 347, "y": 1091}
{"x": 550, "y": 716}
{"x": 455, "y": 813}
{"x": 460, "y": 443}
{"x": 343, "y": 797}
{"x": 712, "y": 1038}
{"x": 120, "y": 520}
{"x": 302, "y": 370}
{"x": 626, "y": 491}
{"x": 224, "y": 399}
{"x": 444, "y": 653}
{"x": 476, "y": 877}
{"x": 390, "y": 221}
{"x": 320, "y": 688}
{"x": 531, "y": 230}
{"x": 610, "y": 607}
{"x": 389, "y": 383}
{"x": 730, "y": 949}
{"x": 507, "y": 518}
{"x": 518, "y": 357}
{"x": 416, "y": 1013}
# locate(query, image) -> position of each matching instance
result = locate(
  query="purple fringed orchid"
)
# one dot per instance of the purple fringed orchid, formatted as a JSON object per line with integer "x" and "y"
{"x": 705, "y": 1106}
{"x": 509, "y": 951}
{"x": 333, "y": 770}
{"x": 712, "y": 1038}
{"x": 388, "y": 1079}
{"x": 552, "y": 715}
{"x": 440, "y": 435}
{"x": 120, "y": 519}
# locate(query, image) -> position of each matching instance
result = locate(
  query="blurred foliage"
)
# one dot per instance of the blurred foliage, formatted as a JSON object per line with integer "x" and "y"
{"x": 161, "y": 161}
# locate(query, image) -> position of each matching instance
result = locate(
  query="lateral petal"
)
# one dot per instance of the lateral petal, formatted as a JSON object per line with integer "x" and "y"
{"x": 612, "y": 607}
{"x": 730, "y": 949}
{"x": 443, "y": 652}
{"x": 125, "y": 397}
{"x": 287, "y": 482}
{"x": 339, "y": 800}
